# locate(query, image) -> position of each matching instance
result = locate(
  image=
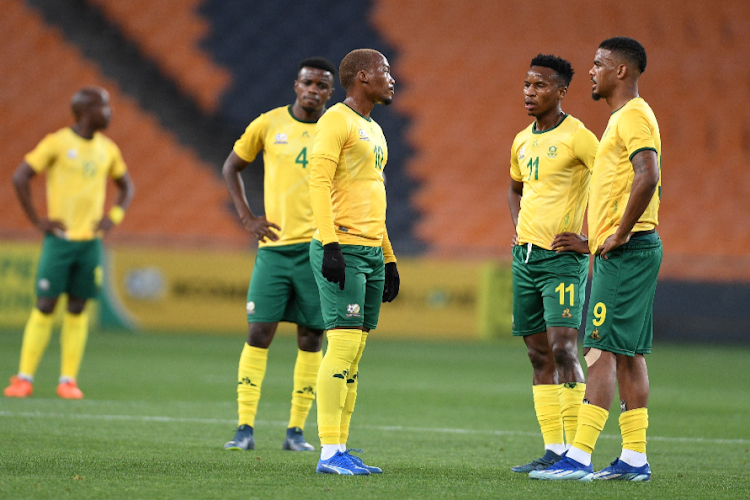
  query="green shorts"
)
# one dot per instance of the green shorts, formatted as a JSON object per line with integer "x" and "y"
{"x": 620, "y": 316}
{"x": 72, "y": 267}
{"x": 548, "y": 289}
{"x": 358, "y": 304}
{"x": 282, "y": 287}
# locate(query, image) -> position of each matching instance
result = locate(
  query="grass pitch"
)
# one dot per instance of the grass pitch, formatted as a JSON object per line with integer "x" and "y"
{"x": 443, "y": 420}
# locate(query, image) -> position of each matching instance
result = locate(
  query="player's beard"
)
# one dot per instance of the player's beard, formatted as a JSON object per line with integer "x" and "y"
{"x": 595, "y": 96}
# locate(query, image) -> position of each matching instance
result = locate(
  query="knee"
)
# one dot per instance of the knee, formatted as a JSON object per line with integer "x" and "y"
{"x": 261, "y": 334}
{"x": 46, "y": 305}
{"x": 539, "y": 358}
{"x": 76, "y": 306}
{"x": 565, "y": 354}
{"x": 309, "y": 340}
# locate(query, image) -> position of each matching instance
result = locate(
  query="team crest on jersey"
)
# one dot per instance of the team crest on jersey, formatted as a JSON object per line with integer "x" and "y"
{"x": 352, "y": 310}
{"x": 522, "y": 153}
{"x": 72, "y": 154}
{"x": 363, "y": 135}
{"x": 251, "y": 307}
{"x": 552, "y": 152}
{"x": 281, "y": 138}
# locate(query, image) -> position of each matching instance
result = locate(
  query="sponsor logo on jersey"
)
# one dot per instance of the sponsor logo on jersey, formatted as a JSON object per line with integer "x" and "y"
{"x": 251, "y": 307}
{"x": 352, "y": 310}
{"x": 566, "y": 313}
{"x": 535, "y": 143}
{"x": 305, "y": 134}
{"x": 552, "y": 152}
{"x": 595, "y": 334}
{"x": 72, "y": 154}
{"x": 522, "y": 153}
{"x": 363, "y": 135}
{"x": 281, "y": 138}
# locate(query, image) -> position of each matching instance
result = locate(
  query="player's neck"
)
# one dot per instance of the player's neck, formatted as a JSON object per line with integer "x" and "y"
{"x": 83, "y": 130}
{"x": 360, "y": 104}
{"x": 306, "y": 116}
{"x": 621, "y": 96}
{"x": 549, "y": 120}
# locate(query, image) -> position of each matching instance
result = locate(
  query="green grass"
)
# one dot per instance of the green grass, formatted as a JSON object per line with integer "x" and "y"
{"x": 444, "y": 420}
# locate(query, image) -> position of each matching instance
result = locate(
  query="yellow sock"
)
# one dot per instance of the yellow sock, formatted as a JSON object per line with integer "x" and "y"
{"x": 343, "y": 346}
{"x": 36, "y": 336}
{"x": 249, "y": 379}
{"x": 75, "y": 331}
{"x": 591, "y": 420}
{"x": 571, "y": 398}
{"x": 633, "y": 425}
{"x": 547, "y": 406}
{"x": 351, "y": 396}
{"x": 305, "y": 382}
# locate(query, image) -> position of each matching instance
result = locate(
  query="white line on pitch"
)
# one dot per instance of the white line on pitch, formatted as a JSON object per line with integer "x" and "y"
{"x": 384, "y": 428}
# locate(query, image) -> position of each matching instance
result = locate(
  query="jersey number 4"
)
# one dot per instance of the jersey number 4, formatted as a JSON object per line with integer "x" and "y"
{"x": 302, "y": 158}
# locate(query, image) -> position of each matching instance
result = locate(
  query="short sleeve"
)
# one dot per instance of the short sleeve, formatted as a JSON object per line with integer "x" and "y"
{"x": 44, "y": 154}
{"x": 636, "y": 132}
{"x": 331, "y": 134}
{"x": 585, "y": 145}
{"x": 252, "y": 141}
{"x": 117, "y": 168}
{"x": 515, "y": 169}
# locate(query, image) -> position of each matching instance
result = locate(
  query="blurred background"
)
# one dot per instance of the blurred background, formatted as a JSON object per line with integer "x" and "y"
{"x": 187, "y": 76}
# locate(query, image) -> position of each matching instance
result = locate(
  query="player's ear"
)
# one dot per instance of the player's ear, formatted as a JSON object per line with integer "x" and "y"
{"x": 562, "y": 92}
{"x": 622, "y": 71}
{"x": 363, "y": 76}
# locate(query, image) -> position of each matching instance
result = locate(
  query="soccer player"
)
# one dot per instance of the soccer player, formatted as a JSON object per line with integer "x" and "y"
{"x": 77, "y": 161}
{"x": 550, "y": 169}
{"x": 623, "y": 214}
{"x": 351, "y": 255}
{"x": 282, "y": 287}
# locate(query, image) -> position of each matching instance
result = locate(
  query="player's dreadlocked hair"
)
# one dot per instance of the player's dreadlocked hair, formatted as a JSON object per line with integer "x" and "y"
{"x": 562, "y": 68}
{"x": 627, "y": 48}
{"x": 318, "y": 63}
{"x": 352, "y": 63}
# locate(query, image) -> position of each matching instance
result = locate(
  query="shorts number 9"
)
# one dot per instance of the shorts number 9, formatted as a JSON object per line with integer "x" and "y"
{"x": 600, "y": 313}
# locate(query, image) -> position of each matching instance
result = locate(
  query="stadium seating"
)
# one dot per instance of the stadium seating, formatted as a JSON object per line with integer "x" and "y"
{"x": 170, "y": 32}
{"x": 463, "y": 63}
{"x": 179, "y": 198}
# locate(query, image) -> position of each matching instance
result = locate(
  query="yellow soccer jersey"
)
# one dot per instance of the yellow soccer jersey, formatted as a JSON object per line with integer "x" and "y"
{"x": 555, "y": 168}
{"x": 631, "y": 129}
{"x": 346, "y": 183}
{"x": 286, "y": 143}
{"x": 77, "y": 170}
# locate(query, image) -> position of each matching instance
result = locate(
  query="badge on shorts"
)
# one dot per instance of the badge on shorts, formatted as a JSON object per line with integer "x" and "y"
{"x": 595, "y": 334}
{"x": 251, "y": 307}
{"x": 43, "y": 284}
{"x": 566, "y": 313}
{"x": 352, "y": 310}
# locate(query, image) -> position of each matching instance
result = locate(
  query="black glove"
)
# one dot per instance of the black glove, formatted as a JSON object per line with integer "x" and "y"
{"x": 392, "y": 282}
{"x": 334, "y": 265}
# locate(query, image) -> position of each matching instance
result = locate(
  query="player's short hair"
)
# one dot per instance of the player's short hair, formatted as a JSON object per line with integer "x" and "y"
{"x": 318, "y": 63}
{"x": 562, "y": 68}
{"x": 84, "y": 97}
{"x": 352, "y": 63}
{"x": 627, "y": 48}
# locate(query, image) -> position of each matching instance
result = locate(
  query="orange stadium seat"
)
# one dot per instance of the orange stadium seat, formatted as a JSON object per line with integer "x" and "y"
{"x": 179, "y": 198}
{"x": 170, "y": 32}
{"x": 462, "y": 64}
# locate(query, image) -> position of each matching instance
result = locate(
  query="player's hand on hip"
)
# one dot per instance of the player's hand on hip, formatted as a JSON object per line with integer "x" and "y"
{"x": 55, "y": 227}
{"x": 570, "y": 242}
{"x": 261, "y": 228}
{"x": 611, "y": 243}
{"x": 392, "y": 282}
{"x": 104, "y": 225}
{"x": 514, "y": 241}
{"x": 334, "y": 265}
